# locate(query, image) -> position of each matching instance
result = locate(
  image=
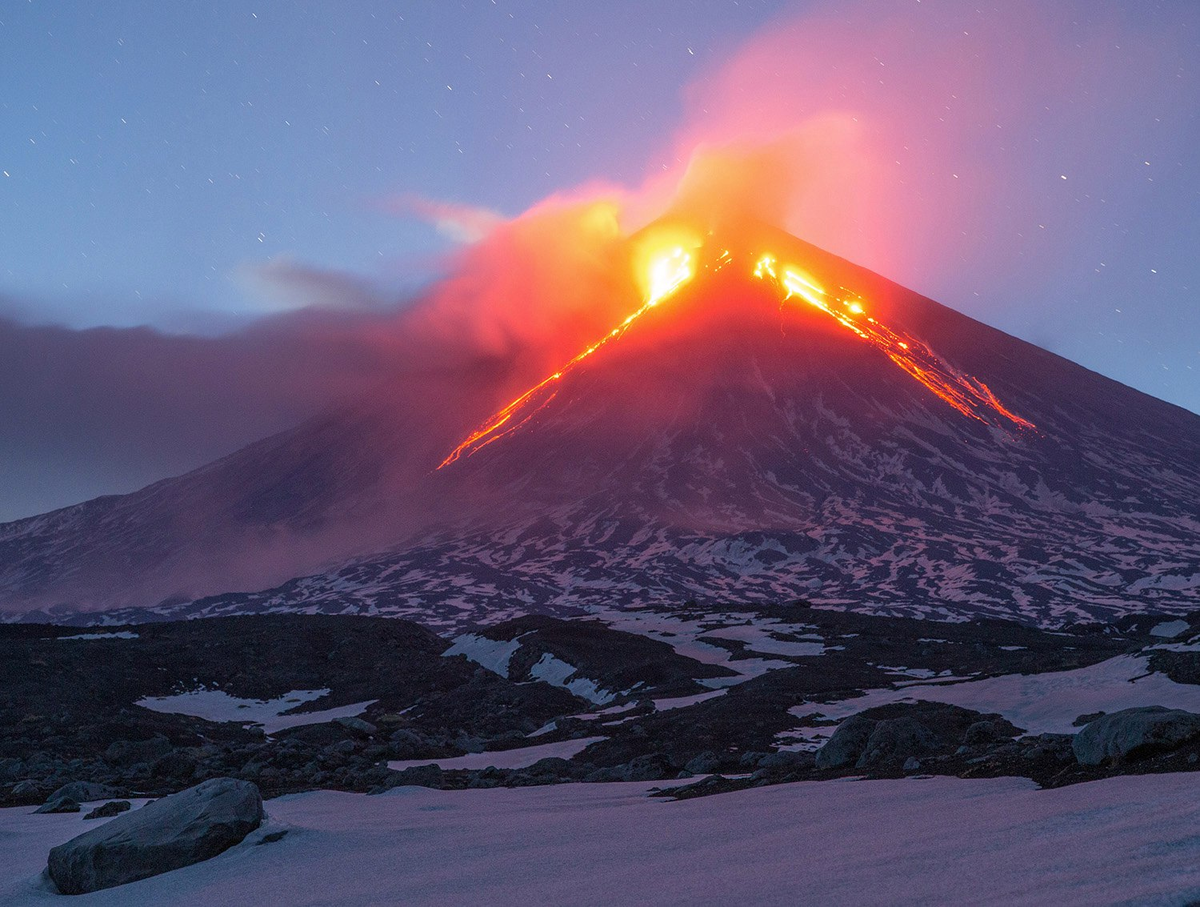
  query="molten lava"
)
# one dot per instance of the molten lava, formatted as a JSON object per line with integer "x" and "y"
{"x": 965, "y": 393}
{"x": 667, "y": 270}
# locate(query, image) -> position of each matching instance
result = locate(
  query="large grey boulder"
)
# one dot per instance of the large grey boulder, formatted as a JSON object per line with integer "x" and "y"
{"x": 847, "y": 743}
{"x": 897, "y": 740}
{"x": 1131, "y": 733}
{"x": 85, "y": 791}
{"x": 170, "y": 833}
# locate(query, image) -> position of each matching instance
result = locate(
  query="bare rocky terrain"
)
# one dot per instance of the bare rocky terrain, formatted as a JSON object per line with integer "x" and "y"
{"x": 733, "y": 696}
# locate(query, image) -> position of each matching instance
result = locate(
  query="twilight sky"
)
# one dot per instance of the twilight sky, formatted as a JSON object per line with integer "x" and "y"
{"x": 175, "y": 178}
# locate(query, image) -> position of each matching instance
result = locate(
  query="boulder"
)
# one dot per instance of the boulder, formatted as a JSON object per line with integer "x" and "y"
{"x": 786, "y": 761}
{"x": 1133, "y": 733}
{"x": 132, "y": 752}
{"x": 58, "y": 805}
{"x": 357, "y": 725}
{"x": 846, "y": 744}
{"x": 85, "y": 791}
{"x": 23, "y": 789}
{"x": 109, "y": 810}
{"x": 896, "y": 740}
{"x": 170, "y": 833}
{"x": 990, "y": 730}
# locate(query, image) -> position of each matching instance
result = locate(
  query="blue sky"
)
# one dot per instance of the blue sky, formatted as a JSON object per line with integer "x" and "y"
{"x": 162, "y": 164}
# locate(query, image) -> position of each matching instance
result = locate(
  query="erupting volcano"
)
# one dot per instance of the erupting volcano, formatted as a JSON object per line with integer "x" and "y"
{"x": 767, "y": 422}
{"x": 676, "y": 265}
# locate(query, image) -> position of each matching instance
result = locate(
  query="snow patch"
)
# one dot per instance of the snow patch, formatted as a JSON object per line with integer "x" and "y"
{"x": 522, "y": 757}
{"x": 1169, "y": 628}
{"x": 123, "y": 634}
{"x": 217, "y": 705}
{"x": 493, "y": 654}
{"x": 682, "y": 702}
{"x": 557, "y": 672}
{"x": 1125, "y": 840}
{"x": 1040, "y": 703}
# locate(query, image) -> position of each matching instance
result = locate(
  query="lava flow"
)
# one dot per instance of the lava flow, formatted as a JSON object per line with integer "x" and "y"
{"x": 669, "y": 270}
{"x": 965, "y": 393}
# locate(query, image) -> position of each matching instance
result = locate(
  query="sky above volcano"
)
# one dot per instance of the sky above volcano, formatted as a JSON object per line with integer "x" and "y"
{"x": 178, "y": 180}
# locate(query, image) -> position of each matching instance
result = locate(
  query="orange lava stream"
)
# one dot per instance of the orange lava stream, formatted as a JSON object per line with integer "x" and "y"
{"x": 967, "y": 394}
{"x": 667, "y": 274}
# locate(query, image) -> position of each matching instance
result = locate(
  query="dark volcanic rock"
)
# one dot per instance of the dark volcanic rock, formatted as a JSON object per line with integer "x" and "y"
{"x": 58, "y": 805}
{"x": 846, "y": 744}
{"x": 1134, "y": 733}
{"x": 897, "y": 740}
{"x": 170, "y": 833}
{"x": 85, "y": 791}
{"x": 108, "y": 810}
{"x": 889, "y": 736}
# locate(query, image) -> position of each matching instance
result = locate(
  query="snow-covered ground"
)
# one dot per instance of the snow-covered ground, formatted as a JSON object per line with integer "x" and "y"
{"x": 123, "y": 634}
{"x": 271, "y": 714}
{"x": 1040, "y": 703}
{"x": 1127, "y": 840}
{"x": 522, "y": 757}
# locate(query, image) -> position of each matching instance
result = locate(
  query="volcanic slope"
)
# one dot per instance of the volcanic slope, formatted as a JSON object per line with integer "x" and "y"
{"x": 781, "y": 425}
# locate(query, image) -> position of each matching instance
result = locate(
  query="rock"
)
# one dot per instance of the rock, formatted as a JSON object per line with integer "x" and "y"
{"x": 86, "y": 791}
{"x": 133, "y": 752}
{"x": 170, "y": 833}
{"x": 786, "y": 761}
{"x": 174, "y": 765}
{"x": 704, "y": 764}
{"x": 108, "y": 810}
{"x": 1134, "y": 733}
{"x": 11, "y": 769}
{"x": 23, "y": 789}
{"x": 357, "y": 725}
{"x": 847, "y": 743}
{"x": 1088, "y": 718}
{"x": 895, "y": 740}
{"x": 651, "y": 767}
{"x": 990, "y": 730}
{"x": 58, "y": 805}
{"x": 419, "y": 776}
{"x": 912, "y": 764}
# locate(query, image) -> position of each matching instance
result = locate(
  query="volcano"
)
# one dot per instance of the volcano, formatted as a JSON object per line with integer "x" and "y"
{"x": 774, "y": 423}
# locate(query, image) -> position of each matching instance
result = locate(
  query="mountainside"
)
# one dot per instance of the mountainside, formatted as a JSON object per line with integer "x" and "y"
{"x": 761, "y": 433}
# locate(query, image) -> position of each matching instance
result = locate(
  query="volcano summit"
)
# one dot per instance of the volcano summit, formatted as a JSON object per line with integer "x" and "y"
{"x": 772, "y": 423}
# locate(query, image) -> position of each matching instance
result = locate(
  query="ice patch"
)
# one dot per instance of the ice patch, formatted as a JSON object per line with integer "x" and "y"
{"x": 123, "y": 634}
{"x": 522, "y": 757}
{"x": 1169, "y": 628}
{"x": 758, "y": 639}
{"x": 1040, "y": 703}
{"x": 556, "y": 672}
{"x": 682, "y": 702}
{"x": 217, "y": 705}
{"x": 493, "y": 654}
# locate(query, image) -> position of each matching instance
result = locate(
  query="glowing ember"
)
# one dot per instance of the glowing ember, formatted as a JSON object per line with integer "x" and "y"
{"x": 666, "y": 271}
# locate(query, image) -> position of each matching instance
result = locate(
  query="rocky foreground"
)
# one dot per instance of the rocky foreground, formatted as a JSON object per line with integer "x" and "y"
{"x": 730, "y": 697}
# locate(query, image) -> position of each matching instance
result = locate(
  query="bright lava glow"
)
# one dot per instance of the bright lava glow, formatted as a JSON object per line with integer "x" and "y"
{"x": 667, "y": 273}
{"x": 669, "y": 270}
{"x": 965, "y": 393}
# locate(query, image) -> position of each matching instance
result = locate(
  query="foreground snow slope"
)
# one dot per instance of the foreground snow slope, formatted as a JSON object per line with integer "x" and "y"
{"x": 943, "y": 840}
